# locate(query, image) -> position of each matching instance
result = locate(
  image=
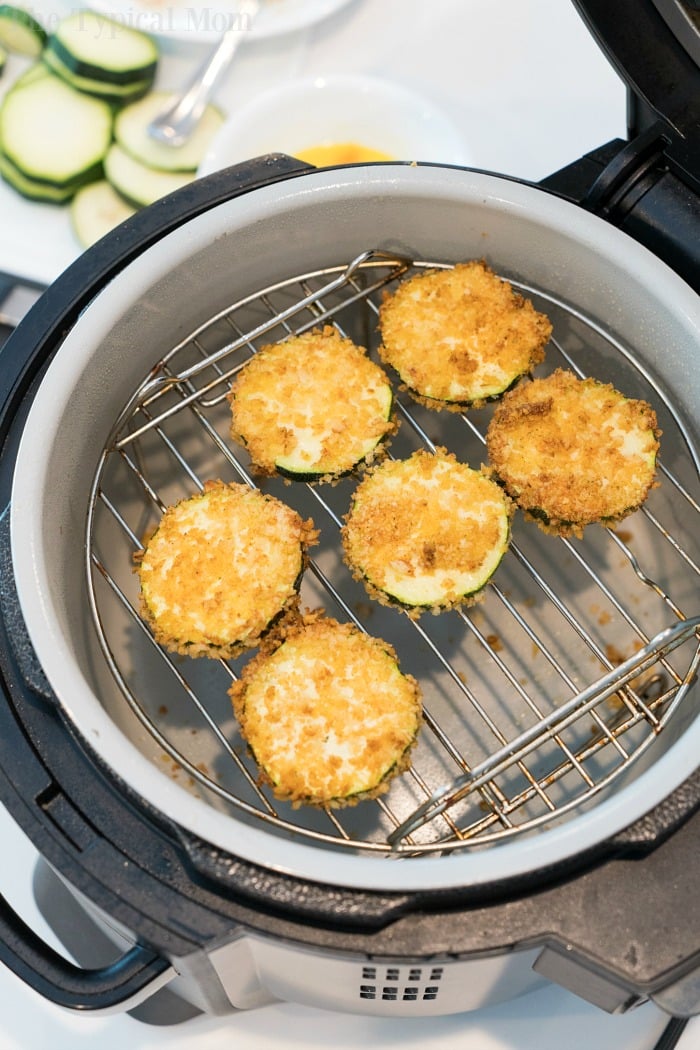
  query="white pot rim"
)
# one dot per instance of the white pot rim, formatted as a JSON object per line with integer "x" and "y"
{"x": 32, "y": 552}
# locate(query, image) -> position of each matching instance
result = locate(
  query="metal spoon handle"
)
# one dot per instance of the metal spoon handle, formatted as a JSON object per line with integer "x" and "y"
{"x": 175, "y": 125}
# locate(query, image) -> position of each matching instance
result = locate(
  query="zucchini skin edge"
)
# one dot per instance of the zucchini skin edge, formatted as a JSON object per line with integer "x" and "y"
{"x": 88, "y": 70}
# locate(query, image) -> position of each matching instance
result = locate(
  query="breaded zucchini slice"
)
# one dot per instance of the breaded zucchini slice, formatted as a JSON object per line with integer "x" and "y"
{"x": 312, "y": 407}
{"x": 328, "y": 715}
{"x": 460, "y": 337}
{"x": 427, "y": 532}
{"x": 571, "y": 452}
{"x": 221, "y": 568}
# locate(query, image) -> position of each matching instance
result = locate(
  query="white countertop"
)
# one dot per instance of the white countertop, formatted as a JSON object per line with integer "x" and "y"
{"x": 530, "y": 92}
{"x": 522, "y": 80}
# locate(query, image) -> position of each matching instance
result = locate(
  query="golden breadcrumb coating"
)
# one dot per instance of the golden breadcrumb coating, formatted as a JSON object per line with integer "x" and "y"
{"x": 426, "y": 532}
{"x": 220, "y": 568}
{"x": 313, "y": 406}
{"x": 573, "y": 451}
{"x": 461, "y": 336}
{"x": 328, "y": 715}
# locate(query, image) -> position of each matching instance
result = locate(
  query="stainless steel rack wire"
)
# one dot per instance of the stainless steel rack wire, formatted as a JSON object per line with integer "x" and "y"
{"x": 537, "y": 701}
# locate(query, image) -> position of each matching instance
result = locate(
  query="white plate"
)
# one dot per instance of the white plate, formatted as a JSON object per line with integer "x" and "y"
{"x": 198, "y": 21}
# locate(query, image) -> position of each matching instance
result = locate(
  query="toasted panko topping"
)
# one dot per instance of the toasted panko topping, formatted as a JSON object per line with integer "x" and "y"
{"x": 460, "y": 336}
{"x": 313, "y": 406}
{"x": 426, "y": 532}
{"x": 220, "y": 568}
{"x": 328, "y": 715}
{"x": 573, "y": 451}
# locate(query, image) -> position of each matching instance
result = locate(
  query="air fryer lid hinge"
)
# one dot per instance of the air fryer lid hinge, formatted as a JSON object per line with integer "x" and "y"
{"x": 639, "y": 193}
{"x": 658, "y": 69}
{"x": 623, "y": 181}
{"x": 632, "y": 186}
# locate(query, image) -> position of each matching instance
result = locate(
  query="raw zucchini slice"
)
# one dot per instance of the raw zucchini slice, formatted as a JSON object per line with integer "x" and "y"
{"x": 118, "y": 94}
{"x": 53, "y": 134}
{"x": 3, "y": 59}
{"x": 32, "y": 189}
{"x": 427, "y": 532}
{"x": 460, "y": 336}
{"x": 35, "y": 72}
{"x": 96, "y": 210}
{"x": 131, "y": 132}
{"x": 97, "y": 48}
{"x": 312, "y": 407}
{"x": 328, "y": 715}
{"x": 20, "y": 32}
{"x": 138, "y": 184}
{"x": 571, "y": 452}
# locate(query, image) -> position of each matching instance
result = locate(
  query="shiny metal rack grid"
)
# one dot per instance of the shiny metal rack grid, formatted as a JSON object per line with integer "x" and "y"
{"x": 537, "y": 700}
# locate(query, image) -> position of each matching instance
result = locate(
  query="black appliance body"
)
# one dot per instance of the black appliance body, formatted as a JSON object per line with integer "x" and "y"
{"x": 238, "y": 930}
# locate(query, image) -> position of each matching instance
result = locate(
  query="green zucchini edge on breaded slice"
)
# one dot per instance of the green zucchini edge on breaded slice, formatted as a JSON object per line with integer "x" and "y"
{"x": 573, "y": 452}
{"x": 460, "y": 337}
{"x": 427, "y": 532}
{"x": 327, "y": 714}
{"x": 221, "y": 569}
{"x": 312, "y": 408}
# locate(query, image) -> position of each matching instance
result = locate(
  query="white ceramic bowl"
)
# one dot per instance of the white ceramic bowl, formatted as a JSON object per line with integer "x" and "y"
{"x": 326, "y": 110}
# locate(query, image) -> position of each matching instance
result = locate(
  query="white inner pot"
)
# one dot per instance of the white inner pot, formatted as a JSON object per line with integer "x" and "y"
{"x": 322, "y": 219}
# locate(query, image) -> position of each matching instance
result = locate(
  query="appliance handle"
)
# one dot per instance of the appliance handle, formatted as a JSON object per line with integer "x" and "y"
{"x": 121, "y": 985}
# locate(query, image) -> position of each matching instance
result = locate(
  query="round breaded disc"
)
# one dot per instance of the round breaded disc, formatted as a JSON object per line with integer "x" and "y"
{"x": 573, "y": 451}
{"x": 427, "y": 531}
{"x": 221, "y": 566}
{"x": 314, "y": 405}
{"x": 460, "y": 336}
{"x": 328, "y": 715}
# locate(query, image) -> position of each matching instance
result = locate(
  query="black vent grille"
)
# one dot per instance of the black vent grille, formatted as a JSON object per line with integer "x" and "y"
{"x": 401, "y": 983}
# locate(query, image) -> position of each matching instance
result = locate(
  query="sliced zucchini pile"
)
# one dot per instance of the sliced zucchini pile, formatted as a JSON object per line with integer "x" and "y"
{"x": 78, "y": 118}
{"x": 34, "y": 72}
{"x": 102, "y": 57}
{"x": 131, "y": 132}
{"x": 20, "y": 32}
{"x": 53, "y": 138}
{"x": 136, "y": 182}
{"x": 95, "y": 210}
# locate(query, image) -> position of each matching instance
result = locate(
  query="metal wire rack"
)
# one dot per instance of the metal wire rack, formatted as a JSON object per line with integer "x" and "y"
{"x": 537, "y": 700}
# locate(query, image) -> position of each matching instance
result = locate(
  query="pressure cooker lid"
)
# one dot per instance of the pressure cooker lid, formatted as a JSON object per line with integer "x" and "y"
{"x": 655, "y": 47}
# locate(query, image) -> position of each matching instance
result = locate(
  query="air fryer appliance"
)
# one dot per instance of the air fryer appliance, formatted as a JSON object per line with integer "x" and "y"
{"x": 548, "y": 829}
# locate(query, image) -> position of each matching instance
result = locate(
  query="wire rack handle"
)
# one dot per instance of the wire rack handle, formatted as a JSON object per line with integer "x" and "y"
{"x": 659, "y": 646}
